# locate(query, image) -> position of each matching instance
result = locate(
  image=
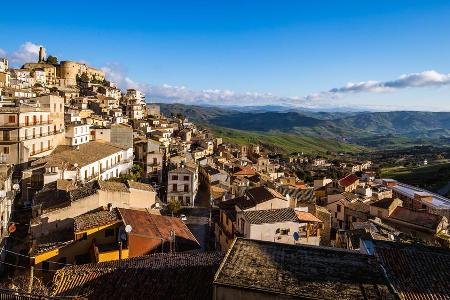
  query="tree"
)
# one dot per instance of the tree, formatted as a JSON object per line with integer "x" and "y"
{"x": 173, "y": 206}
{"x": 83, "y": 78}
{"x": 53, "y": 60}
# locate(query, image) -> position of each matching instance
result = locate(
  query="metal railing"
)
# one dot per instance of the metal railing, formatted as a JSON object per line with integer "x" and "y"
{"x": 41, "y": 150}
{"x": 29, "y": 137}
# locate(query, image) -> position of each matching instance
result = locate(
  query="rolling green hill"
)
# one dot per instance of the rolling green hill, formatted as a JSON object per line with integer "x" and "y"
{"x": 371, "y": 129}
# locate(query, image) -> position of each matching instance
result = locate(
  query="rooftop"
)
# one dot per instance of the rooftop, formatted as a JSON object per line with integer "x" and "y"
{"x": 423, "y": 219}
{"x": 256, "y": 196}
{"x": 95, "y": 219}
{"x": 271, "y": 216}
{"x": 437, "y": 201}
{"x": 157, "y": 276}
{"x": 302, "y": 271}
{"x": 348, "y": 180}
{"x": 417, "y": 274}
{"x": 149, "y": 225}
{"x": 83, "y": 155}
{"x": 383, "y": 203}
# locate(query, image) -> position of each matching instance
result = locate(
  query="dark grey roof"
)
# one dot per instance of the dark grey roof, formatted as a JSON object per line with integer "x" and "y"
{"x": 157, "y": 276}
{"x": 95, "y": 219}
{"x": 271, "y": 216}
{"x": 420, "y": 273}
{"x": 309, "y": 272}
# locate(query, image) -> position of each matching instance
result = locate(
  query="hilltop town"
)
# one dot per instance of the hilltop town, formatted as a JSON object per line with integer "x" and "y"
{"x": 103, "y": 196}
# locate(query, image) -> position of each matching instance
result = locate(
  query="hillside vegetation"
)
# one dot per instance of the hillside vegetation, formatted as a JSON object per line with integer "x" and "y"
{"x": 371, "y": 129}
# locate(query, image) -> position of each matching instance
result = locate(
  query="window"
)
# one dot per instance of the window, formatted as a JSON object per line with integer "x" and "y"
{"x": 11, "y": 119}
{"x": 6, "y": 150}
{"x": 188, "y": 199}
{"x": 174, "y": 177}
{"x": 155, "y": 160}
{"x": 186, "y": 188}
{"x": 109, "y": 232}
{"x": 174, "y": 187}
{"x": 27, "y": 120}
{"x": 338, "y": 207}
{"x": 180, "y": 198}
{"x": 186, "y": 178}
{"x": 6, "y": 135}
{"x": 85, "y": 174}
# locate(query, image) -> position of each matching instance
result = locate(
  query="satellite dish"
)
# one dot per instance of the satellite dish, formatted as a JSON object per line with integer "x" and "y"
{"x": 16, "y": 186}
{"x": 296, "y": 236}
{"x": 128, "y": 228}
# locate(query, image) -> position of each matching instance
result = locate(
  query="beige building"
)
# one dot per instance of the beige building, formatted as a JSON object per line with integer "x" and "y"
{"x": 31, "y": 129}
{"x": 58, "y": 203}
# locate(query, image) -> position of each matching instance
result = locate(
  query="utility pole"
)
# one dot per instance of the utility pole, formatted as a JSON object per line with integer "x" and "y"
{"x": 30, "y": 285}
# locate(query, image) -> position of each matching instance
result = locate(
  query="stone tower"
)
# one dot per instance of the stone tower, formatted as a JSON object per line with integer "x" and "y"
{"x": 41, "y": 54}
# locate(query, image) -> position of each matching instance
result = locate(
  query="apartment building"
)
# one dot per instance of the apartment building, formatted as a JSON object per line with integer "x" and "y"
{"x": 150, "y": 155}
{"x": 84, "y": 163}
{"x": 31, "y": 129}
{"x": 183, "y": 185}
{"x": 77, "y": 134}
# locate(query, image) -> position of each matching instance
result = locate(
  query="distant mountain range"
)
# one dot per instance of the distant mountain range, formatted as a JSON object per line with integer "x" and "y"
{"x": 376, "y": 129}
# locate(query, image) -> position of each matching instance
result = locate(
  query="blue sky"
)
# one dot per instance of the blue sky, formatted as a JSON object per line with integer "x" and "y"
{"x": 252, "y": 52}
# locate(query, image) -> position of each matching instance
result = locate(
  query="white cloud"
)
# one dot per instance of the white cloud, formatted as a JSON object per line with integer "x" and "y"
{"x": 28, "y": 52}
{"x": 422, "y": 79}
{"x": 325, "y": 99}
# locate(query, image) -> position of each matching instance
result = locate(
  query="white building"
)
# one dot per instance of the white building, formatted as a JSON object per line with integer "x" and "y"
{"x": 84, "y": 163}
{"x": 183, "y": 185}
{"x": 39, "y": 76}
{"x": 135, "y": 97}
{"x": 77, "y": 134}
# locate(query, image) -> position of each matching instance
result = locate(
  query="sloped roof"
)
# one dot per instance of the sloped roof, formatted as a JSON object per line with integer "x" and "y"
{"x": 417, "y": 274}
{"x": 271, "y": 216}
{"x": 256, "y": 196}
{"x": 304, "y": 216}
{"x": 424, "y": 219}
{"x": 140, "y": 186}
{"x": 383, "y": 203}
{"x": 95, "y": 219}
{"x": 308, "y": 272}
{"x": 348, "y": 180}
{"x": 157, "y": 276}
{"x": 157, "y": 226}
{"x": 86, "y": 154}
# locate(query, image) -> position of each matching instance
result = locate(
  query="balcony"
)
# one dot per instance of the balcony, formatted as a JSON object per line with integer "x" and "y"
{"x": 15, "y": 139}
{"x": 32, "y": 153}
{"x": 29, "y": 124}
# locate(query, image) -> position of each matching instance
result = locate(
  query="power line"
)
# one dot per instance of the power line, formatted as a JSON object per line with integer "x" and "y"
{"x": 23, "y": 255}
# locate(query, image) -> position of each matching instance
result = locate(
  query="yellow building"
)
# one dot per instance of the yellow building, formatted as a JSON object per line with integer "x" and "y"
{"x": 94, "y": 238}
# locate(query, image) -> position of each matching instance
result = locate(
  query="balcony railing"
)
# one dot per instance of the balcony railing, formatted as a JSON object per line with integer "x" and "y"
{"x": 26, "y": 124}
{"x": 29, "y": 137}
{"x": 41, "y": 151}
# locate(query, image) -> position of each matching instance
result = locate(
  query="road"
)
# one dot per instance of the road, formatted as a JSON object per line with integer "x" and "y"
{"x": 198, "y": 224}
